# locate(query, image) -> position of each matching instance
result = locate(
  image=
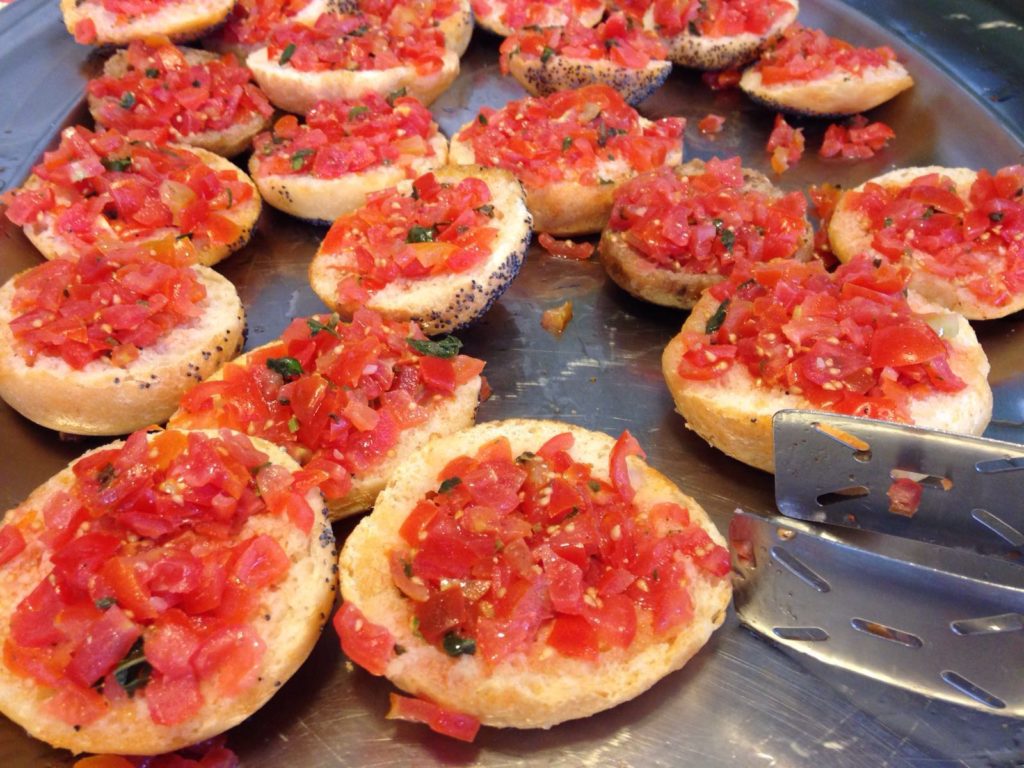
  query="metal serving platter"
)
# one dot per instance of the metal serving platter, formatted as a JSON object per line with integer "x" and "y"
{"x": 740, "y": 701}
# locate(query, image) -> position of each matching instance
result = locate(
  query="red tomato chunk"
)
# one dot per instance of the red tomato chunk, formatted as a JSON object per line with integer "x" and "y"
{"x": 710, "y": 18}
{"x": 785, "y": 145}
{"x": 804, "y": 54}
{"x": 518, "y": 14}
{"x": 859, "y": 140}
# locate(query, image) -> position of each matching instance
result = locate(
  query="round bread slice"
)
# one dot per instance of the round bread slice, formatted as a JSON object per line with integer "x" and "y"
{"x": 850, "y": 233}
{"x": 102, "y": 398}
{"x": 226, "y": 142}
{"x": 569, "y": 207}
{"x": 90, "y": 22}
{"x": 532, "y": 685}
{"x": 494, "y": 15}
{"x": 675, "y": 286}
{"x": 288, "y": 615}
{"x": 246, "y": 26}
{"x": 447, "y": 301}
{"x": 564, "y": 72}
{"x": 843, "y": 91}
{"x": 209, "y": 406}
{"x": 733, "y": 412}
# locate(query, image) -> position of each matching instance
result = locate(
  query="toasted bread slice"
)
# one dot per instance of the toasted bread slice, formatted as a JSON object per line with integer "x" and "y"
{"x": 676, "y": 285}
{"x": 733, "y": 412}
{"x": 289, "y": 615}
{"x": 531, "y": 685}
{"x": 850, "y": 233}
{"x": 206, "y": 407}
{"x": 503, "y": 17}
{"x": 246, "y": 26}
{"x": 90, "y": 22}
{"x": 103, "y": 398}
{"x": 447, "y": 301}
{"x": 227, "y": 141}
{"x": 563, "y": 72}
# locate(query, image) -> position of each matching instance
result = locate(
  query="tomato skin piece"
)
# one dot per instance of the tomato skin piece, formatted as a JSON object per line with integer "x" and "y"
{"x": 895, "y": 345}
{"x": 904, "y": 496}
{"x": 230, "y": 658}
{"x": 625, "y": 446}
{"x": 12, "y": 542}
{"x": 573, "y": 636}
{"x": 105, "y": 643}
{"x": 440, "y": 720}
{"x": 371, "y": 646}
{"x": 566, "y": 249}
{"x": 76, "y": 705}
{"x": 172, "y": 700}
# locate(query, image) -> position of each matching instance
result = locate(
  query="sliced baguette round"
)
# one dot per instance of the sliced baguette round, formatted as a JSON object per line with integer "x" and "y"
{"x": 104, "y": 399}
{"x": 324, "y": 200}
{"x": 675, "y": 287}
{"x": 443, "y": 303}
{"x": 734, "y": 414}
{"x": 226, "y": 142}
{"x": 292, "y": 616}
{"x": 850, "y": 234}
{"x": 180, "y": 21}
{"x": 491, "y": 15}
{"x": 533, "y": 688}
{"x": 560, "y": 72}
{"x": 295, "y": 91}
{"x": 837, "y": 94}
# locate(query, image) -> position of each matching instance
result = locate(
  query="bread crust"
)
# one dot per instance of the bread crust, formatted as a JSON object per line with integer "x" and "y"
{"x": 525, "y": 690}
{"x": 849, "y": 234}
{"x": 296, "y": 611}
{"x": 835, "y": 95}
{"x": 324, "y": 200}
{"x": 104, "y": 399}
{"x": 295, "y": 91}
{"x": 558, "y": 73}
{"x": 444, "y": 303}
{"x": 181, "y": 22}
{"x": 44, "y": 235}
{"x": 667, "y": 287}
{"x": 227, "y": 142}
{"x": 308, "y": 16}
{"x": 734, "y": 415}
{"x": 458, "y": 28}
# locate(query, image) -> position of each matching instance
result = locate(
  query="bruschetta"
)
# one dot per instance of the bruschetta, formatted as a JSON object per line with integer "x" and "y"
{"x": 617, "y": 52}
{"x": 958, "y": 231}
{"x": 676, "y": 231}
{"x": 809, "y": 73}
{"x": 118, "y": 22}
{"x": 108, "y": 343}
{"x": 452, "y": 18}
{"x": 158, "y": 591}
{"x": 571, "y": 150}
{"x": 503, "y": 17}
{"x": 713, "y": 35}
{"x": 202, "y": 99}
{"x": 438, "y": 253}
{"x": 250, "y": 21}
{"x": 788, "y": 334}
{"x": 345, "y": 150}
{"x": 524, "y": 573}
{"x": 348, "y": 400}
{"x": 345, "y": 56}
{"x": 111, "y": 188}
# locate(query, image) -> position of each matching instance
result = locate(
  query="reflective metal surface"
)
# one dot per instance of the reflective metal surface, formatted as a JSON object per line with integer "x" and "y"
{"x": 741, "y": 701}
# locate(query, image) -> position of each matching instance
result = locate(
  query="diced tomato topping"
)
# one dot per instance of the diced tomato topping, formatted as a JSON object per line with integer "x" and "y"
{"x": 722, "y": 79}
{"x": 438, "y": 719}
{"x": 520, "y": 14}
{"x": 785, "y": 145}
{"x": 85, "y": 31}
{"x": 566, "y": 249}
{"x": 711, "y": 18}
{"x": 857, "y": 141}
{"x": 804, "y": 54}
{"x": 369, "y": 645}
{"x": 625, "y": 446}
{"x": 846, "y": 341}
{"x": 581, "y": 135}
{"x": 12, "y": 542}
{"x": 904, "y": 496}
{"x": 711, "y": 124}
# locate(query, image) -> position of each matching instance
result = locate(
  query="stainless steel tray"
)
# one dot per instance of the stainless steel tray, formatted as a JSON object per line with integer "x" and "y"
{"x": 741, "y": 701}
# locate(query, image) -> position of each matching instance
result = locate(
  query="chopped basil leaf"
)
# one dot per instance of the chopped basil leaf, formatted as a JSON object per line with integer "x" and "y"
{"x": 486, "y": 210}
{"x": 456, "y": 645}
{"x": 360, "y": 31}
{"x": 288, "y": 367}
{"x": 127, "y": 100}
{"x": 407, "y": 568}
{"x": 106, "y": 475}
{"x": 286, "y": 54}
{"x": 448, "y": 484}
{"x": 133, "y": 671}
{"x": 315, "y": 326}
{"x": 293, "y": 424}
{"x": 482, "y": 119}
{"x": 604, "y": 181}
{"x": 716, "y": 320}
{"x": 996, "y": 216}
{"x": 525, "y": 456}
{"x": 693, "y": 29}
{"x": 299, "y": 158}
{"x": 357, "y": 111}
{"x": 119, "y": 164}
{"x": 566, "y": 143}
{"x": 928, "y": 212}
{"x": 594, "y": 485}
{"x": 105, "y": 603}
{"x": 397, "y": 94}
{"x": 718, "y": 224}
{"x": 887, "y": 222}
{"x": 421, "y": 235}
{"x": 196, "y": 83}
{"x": 152, "y": 72}
{"x": 728, "y": 239}
{"x": 231, "y": 196}
{"x": 546, "y": 54}
{"x": 449, "y": 346}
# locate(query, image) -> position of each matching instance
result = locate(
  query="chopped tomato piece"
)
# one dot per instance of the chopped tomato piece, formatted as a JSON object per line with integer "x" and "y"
{"x": 858, "y": 141}
{"x": 567, "y": 249}
{"x": 711, "y": 124}
{"x": 12, "y": 542}
{"x": 370, "y": 646}
{"x": 443, "y": 721}
{"x": 625, "y": 446}
{"x": 904, "y": 496}
{"x": 804, "y": 54}
{"x": 785, "y": 145}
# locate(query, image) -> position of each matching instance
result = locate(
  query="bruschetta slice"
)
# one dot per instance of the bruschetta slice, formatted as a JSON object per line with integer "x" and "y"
{"x": 674, "y": 232}
{"x": 345, "y": 56}
{"x": 111, "y": 188}
{"x": 345, "y": 150}
{"x": 348, "y": 400}
{"x": 202, "y": 99}
{"x": 617, "y": 52}
{"x": 713, "y": 35}
{"x": 809, "y": 73}
{"x": 250, "y": 21}
{"x": 524, "y": 573}
{"x": 118, "y": 22}
{"x": 503, "y": 17}
{"x": 960, "y": 232}
{"x": 108, "y": 343}
{"x": 571, "y": 150}
{"x": 453, "y": 18}
{"x": 159, "y": 591}
{"x": 788, "y": 334}
{"x": 438, "y": 253}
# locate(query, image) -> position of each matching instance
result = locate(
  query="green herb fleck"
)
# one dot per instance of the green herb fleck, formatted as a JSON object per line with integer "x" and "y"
{"x": 421, "y": 234}
{"x": 716, "y": 320}
{"x": 196, "y": 83}
{"x": 105, "y": 603}
{"x": 728, "y": 239}
{"x": 447, "y": 347}
{"x": 288, "y": 367}
{"x": 299, "y": 158}
{"x": 546, "y": 54}
{"x": 286, "y": 54}
{"x": 133, "y": 671}
{"x": 996, "y": 216}
{"x": 119, "y": 164}
{"x": 357, "y": 111}
{"x": 887, "y": 222}
{"x": 594, "y": 486}
{"x": 293, "y": 424}
{"x": 456, "y": 645}
{"x": 566, "y": 143}
{"x": 693, "y": 29}
{"x": 482, "y": 119}
{"x": 359, "y": 31}
{"x": 486, "y": 210}
{"x": 928, "y": 213}
{"x": 127, "y": 100}
{"x": 152, "y": 72}
{"x": 396, "y": 94}
{"x": 315, "y": 326}
{"x": 525, "y": 456}
{"x": 449, "y": 483}
{"x": 105, "y": 476}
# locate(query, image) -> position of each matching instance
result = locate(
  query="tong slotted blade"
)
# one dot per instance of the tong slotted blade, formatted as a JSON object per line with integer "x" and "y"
{"x": 948, "y": 624}
{"x": 849, "y": 471}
